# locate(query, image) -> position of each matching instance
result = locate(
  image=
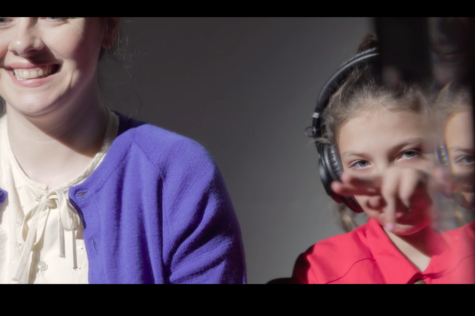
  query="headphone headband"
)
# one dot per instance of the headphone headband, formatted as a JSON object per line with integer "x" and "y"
{"x": 330, "y": 167}
{"x": 334, "y": 83}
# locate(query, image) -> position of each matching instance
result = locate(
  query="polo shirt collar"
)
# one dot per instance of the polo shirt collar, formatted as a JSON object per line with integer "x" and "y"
{"x": 394, "y": 266}
{"x": 450, "y": 249}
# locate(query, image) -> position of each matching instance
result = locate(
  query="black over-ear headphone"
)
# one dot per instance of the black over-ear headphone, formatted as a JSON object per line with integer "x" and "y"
{"x": 330, "y": 166}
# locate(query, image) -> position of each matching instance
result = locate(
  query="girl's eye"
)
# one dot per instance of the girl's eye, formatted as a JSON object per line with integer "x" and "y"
{"x": 409, "y": 154}
{"x": 3, "y": 21}
{"x": 360, "y": 164}
{"x": 57, "y": 19}
{"x": 464, "y": 160}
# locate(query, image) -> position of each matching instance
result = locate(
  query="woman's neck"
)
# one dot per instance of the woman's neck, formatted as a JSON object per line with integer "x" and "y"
{"x": 54, "y": 148}
{"x": 418, "y": 248}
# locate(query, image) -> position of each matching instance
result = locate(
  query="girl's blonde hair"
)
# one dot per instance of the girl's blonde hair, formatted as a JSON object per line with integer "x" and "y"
{"x": 362, "y": 91}
{"x": 453, "y": 98}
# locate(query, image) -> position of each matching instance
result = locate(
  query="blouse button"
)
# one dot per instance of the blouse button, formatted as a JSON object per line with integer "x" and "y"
{"x": 42, "y": 266}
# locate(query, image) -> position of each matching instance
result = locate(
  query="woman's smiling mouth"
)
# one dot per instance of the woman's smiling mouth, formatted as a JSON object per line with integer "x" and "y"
{"x": 35, "y": 73}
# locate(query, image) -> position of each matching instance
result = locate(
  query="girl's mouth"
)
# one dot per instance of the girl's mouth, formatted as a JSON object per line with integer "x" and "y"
{"x": 35, "y": 73}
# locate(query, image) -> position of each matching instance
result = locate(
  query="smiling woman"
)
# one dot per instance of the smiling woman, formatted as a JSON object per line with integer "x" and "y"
{"x": 89, "y": 195}
{"x": 54, "y": 52}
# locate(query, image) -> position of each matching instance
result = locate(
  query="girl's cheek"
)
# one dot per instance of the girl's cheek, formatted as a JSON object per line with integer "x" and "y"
{"x": 374, "y": 213}
{"x": 355, "y": 170}
{"x": 346, "y": 166}
{"x": 365, "y": 171}
{"x": 462, "y": 169}
{"x": 469, "y": 198}
{"x": 362, "y": 201}
{"x": 419, "y": 163}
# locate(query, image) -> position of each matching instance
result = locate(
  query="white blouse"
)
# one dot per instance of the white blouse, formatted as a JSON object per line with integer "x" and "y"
{"x": 40, "y": 231}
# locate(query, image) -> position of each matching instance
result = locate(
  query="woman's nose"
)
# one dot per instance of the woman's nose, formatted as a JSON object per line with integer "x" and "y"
{"x": 26, "y": 41}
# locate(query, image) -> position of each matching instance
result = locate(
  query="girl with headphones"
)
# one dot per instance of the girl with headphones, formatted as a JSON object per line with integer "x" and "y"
{"x": 377, "y": 157}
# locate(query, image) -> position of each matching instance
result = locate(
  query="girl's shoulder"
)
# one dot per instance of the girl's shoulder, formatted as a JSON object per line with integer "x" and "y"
{"x": 333, "y": 257}
{"x": 462, "y": 238}
{"x": 353, "y": 244}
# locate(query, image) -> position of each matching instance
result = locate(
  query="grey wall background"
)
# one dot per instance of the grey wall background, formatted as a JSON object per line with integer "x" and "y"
{"x": 245, "y": 88}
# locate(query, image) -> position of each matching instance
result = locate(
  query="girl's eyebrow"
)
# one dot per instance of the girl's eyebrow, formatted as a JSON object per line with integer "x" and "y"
{"x": 395, "y": 148}
{"x": 467, "y": 150}
{"x": 352, "y": 153}
{"x": 413, "y": 141}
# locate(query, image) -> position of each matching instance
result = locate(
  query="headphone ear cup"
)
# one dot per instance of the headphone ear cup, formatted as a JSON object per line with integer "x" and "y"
{"x": 335, "y": 162}
{"x": 327, "y": 176}
{"x": 330, "y": 170}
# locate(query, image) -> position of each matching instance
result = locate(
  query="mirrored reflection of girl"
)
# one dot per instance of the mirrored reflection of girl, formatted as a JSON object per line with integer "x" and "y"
{"x": 455, "y": 105}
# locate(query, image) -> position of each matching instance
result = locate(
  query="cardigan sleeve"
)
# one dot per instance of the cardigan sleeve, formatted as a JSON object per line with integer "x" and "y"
{"x": 202, "y": 237}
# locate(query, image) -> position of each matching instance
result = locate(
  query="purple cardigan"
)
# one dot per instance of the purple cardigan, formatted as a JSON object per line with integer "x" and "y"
{"x": 156, "y": 210}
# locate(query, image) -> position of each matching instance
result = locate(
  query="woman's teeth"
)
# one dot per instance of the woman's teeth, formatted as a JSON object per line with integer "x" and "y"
{"x": 40, "y": 72}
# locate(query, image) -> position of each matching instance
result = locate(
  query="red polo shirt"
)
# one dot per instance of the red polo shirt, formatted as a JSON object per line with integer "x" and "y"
{"x": 367, "y": 255}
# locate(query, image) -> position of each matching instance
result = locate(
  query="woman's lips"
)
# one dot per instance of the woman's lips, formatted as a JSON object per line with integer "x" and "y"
{"x": 31, "y": 75}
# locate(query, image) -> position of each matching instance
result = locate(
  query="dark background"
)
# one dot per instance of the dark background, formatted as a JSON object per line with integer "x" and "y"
{"x": 245, "y": 88}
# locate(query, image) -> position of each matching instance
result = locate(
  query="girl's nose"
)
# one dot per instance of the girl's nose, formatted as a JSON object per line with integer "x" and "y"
{"x": 26, "y": 41}
{"x": 382, "y": 168}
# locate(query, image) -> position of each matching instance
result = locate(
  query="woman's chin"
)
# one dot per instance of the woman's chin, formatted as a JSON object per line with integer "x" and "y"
{"x": 34, "y": 107}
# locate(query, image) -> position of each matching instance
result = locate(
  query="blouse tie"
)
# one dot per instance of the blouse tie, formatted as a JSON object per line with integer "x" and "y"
{"x": 33, "y": 227}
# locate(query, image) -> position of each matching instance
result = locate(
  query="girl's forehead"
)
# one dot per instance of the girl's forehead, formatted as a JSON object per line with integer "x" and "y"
{"x": 377, "y": 128}
{"x": 387, "y": 118}
{"x": 459, "y": 127}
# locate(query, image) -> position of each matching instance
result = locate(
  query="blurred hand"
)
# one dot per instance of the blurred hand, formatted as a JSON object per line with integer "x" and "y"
{"x": 397, "y": 188}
